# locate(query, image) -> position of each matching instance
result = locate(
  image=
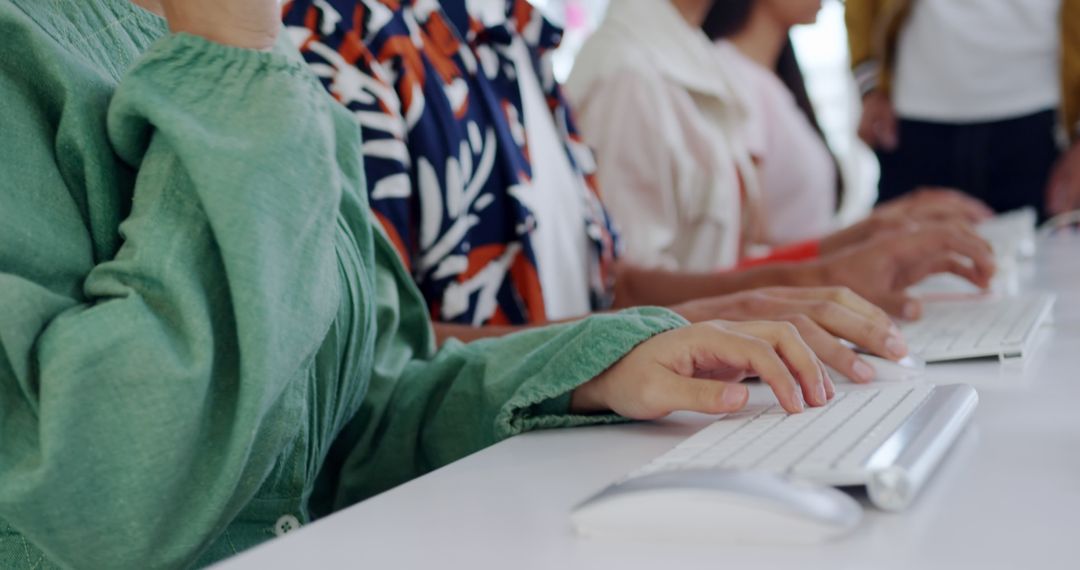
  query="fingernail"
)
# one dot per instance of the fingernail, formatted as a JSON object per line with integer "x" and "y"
{"x": 823, "y": 398}
{"x": 863, "y": 371}
{"x": 911, "y": 310}
{"x": 733, "y": 397}
{"x": 896, "y": 346}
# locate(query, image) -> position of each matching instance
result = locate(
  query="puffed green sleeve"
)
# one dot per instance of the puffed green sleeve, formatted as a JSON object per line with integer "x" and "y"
{"x": 425, "y": 409}
{"x": 143, "y": 408}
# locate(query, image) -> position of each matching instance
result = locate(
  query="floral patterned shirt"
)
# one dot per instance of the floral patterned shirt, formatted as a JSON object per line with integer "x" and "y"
{"x": 444, "y": 147}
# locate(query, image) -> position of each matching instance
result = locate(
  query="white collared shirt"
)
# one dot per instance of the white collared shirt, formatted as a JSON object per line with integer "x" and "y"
{"x": 651, "y": 98}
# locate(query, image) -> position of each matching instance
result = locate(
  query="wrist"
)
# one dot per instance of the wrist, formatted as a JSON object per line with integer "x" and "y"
{"x": 586, "y": 399}
{"x": 868, "y": 77}
{"x": 810, "y": 274}
{"x": 840, "y": 239}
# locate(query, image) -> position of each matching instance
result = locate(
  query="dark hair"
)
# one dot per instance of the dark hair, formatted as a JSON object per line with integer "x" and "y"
{"x": 727, "y": 18}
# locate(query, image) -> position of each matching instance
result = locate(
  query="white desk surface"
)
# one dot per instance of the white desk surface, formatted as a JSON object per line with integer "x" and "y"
{"x": 1008, "y": 496}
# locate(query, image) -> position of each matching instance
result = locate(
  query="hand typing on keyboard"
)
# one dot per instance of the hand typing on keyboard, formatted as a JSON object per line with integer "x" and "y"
{"x": 824, "y": 317}
{"x": 883, "y": 268}
{"x": 698, "y": 368}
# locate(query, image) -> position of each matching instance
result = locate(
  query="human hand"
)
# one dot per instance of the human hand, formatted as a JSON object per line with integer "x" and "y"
{"x": 883, "y": 268}
{"x": 878, "y": 126}
{"x": 698, "y": 368}
{"x": 251, "y": 24}
{"x": 936, "y": 204}
{"x": 822, "y": 315}
{"x": 925, "y": 205}
{"x": 865, "y": 230}
{"x": 1063, "y": 190}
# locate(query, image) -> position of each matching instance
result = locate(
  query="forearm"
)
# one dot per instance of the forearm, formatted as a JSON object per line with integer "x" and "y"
{"x": 860, "y": 17}
{"x": 636, "y": 286}
{"x": 426, "y": 408}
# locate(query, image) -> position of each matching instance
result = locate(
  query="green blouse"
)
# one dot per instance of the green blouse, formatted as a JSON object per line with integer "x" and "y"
{"x": 203, "y": 339}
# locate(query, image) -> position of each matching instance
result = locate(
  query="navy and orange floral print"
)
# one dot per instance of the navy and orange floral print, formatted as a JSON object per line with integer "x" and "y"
{"x": 437, "y": 99}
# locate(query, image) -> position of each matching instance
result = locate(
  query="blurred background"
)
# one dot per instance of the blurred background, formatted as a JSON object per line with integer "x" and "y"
{"x": 823, "y": 55}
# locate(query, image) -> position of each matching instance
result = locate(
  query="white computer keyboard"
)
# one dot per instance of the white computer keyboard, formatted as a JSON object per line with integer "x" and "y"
{"x": 887, "y": 438}
{"x": 976, "y": 328}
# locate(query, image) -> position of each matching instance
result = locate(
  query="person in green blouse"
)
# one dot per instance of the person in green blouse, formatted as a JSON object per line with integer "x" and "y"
{"x": 204, "y": 340}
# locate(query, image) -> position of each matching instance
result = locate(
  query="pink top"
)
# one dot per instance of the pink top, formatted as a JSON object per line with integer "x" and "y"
{"x": 797, "y": 173}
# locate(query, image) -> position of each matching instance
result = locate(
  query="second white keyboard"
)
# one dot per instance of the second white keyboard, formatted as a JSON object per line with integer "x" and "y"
{"x": 953, "y": 330}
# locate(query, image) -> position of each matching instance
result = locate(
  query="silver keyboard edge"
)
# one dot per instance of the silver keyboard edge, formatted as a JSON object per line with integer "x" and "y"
{"x": 919, "y": 446}
{"x": 1045, "y": 318}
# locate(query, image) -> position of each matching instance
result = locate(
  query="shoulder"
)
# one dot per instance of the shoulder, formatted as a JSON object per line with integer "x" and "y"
{"x": 610, "y": 62}
{"x": 608, "y": 52}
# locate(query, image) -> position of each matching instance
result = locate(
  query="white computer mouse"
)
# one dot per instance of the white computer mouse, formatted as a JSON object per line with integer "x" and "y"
{"x": 907, "y": 368}
{"x": 717, "y": 506}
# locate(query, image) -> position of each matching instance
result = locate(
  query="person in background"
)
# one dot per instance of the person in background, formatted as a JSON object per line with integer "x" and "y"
{"x": 205, "y": 341}
{"x": 799, "y": 176}
{"x": 972, "y": 95}
{"x": 467, "y": 85}
{"x": 655, "y": 100}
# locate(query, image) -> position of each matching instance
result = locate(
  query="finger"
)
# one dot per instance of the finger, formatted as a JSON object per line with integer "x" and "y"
{"x": 862, "y": 307}
{"x": 833, "y": 353}
{"x": 888, "y": 133}
{"x": 889, "y": 140}
{"x": 677, "y": 393}
{"x": 975, "y": 211}
{"x": 843, "y": 296}
{"x": 902, "y": 306}
{"x": 830, "y": 388}
{"x": 965, "y": 242}
{"x": 878, "y": 335}
{"x": 947, "y": 210}
{"x": 964, "y": 239}
{"x": 767, "y": 364}
{"x": 798, "y": 376}
{"x": 801, "y": 359}
{"x": 758, "y": 356}
{"x": 943, "y": 262}
{"x": 954, "y": 199}
{"x": 866, "y": 131}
